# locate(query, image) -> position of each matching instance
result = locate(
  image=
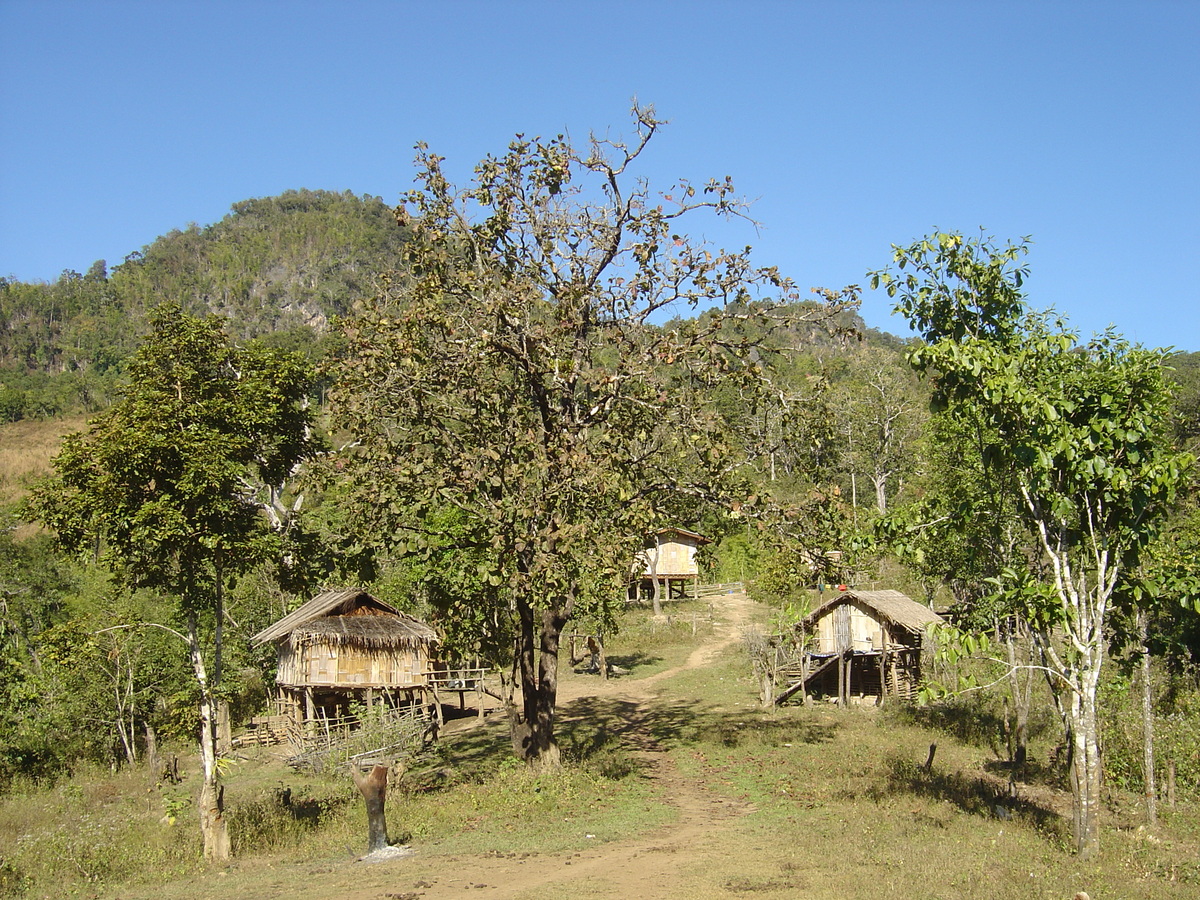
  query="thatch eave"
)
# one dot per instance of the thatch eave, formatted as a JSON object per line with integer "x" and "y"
{"x": 367, "y": 632}
{"x": 327, "y": 603}
{"x": 888, "y": 606}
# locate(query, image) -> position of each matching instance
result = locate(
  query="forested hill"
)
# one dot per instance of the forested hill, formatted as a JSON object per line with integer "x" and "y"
{"x": 275, "y": 267}
{"x": 279, "y": 266}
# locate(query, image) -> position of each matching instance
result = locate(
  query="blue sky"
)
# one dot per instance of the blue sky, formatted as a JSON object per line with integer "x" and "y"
{"x": 853, "y": 125}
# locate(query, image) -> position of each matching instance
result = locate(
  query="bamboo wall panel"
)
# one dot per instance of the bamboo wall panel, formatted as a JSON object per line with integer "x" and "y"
{"x": 321, "y": 664}
{"x": 860, "y": 630}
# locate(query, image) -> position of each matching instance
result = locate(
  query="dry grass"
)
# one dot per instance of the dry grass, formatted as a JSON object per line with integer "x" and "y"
{"x": 26, "y": 448}
{"x": 829, "y": 804}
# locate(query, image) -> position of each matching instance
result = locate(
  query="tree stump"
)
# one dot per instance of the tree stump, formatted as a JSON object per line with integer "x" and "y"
{"x": 373, "y": 786}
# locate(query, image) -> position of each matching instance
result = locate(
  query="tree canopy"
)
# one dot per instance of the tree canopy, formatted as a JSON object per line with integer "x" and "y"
{"x": 1079, "y": 432}
{"x": 511, "y": 374}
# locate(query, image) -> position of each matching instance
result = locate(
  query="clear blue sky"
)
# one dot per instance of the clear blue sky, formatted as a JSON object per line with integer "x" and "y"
{"x": 855, "y": 125}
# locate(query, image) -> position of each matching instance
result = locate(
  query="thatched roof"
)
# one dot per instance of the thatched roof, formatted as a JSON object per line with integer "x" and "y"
{"x": 369, "y": 632}
{"x": 682, "y": 532}
{"x": 350, "y": 616}
{"x": 889, "y": 606}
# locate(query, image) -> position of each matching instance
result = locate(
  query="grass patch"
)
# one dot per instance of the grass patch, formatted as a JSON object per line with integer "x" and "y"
{"x": 26, "y": 448}
{"x": 840, "y": 806}
{"x": 645, "y": 645}
{"x": 97, "y": 828}
{"x": 815, "y": 802}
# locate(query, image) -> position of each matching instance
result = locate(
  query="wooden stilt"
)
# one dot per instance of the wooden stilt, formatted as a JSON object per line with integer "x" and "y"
{"x": 842, "y": 680}
{"x": 883, "y": 651}
{"x": 804, "y": 696}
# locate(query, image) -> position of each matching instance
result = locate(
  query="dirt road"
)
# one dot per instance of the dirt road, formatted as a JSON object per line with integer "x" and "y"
{"x": 647, "y": 866}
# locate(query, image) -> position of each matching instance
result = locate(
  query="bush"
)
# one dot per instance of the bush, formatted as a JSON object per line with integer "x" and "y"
{"x": 279, "y": 820}
{"x": 1176, "y": 734}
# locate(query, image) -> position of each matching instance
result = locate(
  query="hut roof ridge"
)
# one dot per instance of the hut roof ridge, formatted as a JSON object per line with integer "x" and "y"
{"x": 893, "y": 605}
{"x": 685, "y": 532}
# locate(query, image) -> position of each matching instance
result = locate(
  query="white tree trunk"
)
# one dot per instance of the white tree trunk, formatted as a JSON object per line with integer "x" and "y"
{"x": 1147, "y": 721}
{"x": 213, "y": 827}
{"x": 1085, "y": 775}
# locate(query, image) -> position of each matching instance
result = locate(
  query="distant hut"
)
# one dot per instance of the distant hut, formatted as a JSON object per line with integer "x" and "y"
{"x": 667, "y": 559}
{"x": 345, "y": 646}
{"x": 865, "y": 643}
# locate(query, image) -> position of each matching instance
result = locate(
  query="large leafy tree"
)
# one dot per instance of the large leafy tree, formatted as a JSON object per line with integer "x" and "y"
{"x": 511, "y": 404}
{"x": 166, "y": 488}
{"x": 1077, "y": 430}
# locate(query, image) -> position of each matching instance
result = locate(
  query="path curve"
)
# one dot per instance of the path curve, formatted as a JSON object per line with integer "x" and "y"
{"x": 647, "y": 866}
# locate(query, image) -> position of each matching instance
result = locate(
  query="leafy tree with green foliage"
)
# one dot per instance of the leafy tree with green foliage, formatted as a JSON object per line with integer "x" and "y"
{"x": 1079, "y": 428}
{"x": 1185, "y": 414}
{"x": 1156, "y": 612}
{"x": 510, "y": 375}
{"x": 33, "y": 581}
{"x": 164, "y": 487}
{"x": 880, "y": 410}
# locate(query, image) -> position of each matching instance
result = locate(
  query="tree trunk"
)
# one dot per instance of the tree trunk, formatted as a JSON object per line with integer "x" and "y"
{"x": 125, "y": 707}
{"x": 1021, "y": 688}
{"x": 1085, "y": 767}
{"x": 153, "y": 760}
{"x": 542, "y": 718}
{"x": 224, "y": 729}
{"x": 656, "y": 596}
{"x": 213, "y": 827}
{"x": 1147, "y": 720}
{"x": 373, "y": 786}
{"x": 533, "y": 728}
{"x": 880, "y": 484}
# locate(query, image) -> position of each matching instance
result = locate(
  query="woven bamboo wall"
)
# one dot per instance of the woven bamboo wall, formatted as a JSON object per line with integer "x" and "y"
{"x": 865, "y": 631}
{"x": 330, "y": 665}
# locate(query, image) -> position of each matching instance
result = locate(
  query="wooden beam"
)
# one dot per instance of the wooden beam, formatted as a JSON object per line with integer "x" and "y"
{"x": 883, "y": 641}
{"x": 849, "y": 672}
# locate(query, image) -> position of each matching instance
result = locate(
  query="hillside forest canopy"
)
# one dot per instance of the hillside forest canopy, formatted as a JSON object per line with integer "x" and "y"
{"x": 478, "y": 403}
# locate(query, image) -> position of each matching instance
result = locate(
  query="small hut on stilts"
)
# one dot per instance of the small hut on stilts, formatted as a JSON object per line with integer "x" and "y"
{"x": 862, "y": 644}
{"x": 345, "y": 647}
{"x": 667, "y": 560}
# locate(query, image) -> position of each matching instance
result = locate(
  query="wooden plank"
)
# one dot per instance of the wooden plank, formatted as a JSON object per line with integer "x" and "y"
{"x": 803, "y": 682}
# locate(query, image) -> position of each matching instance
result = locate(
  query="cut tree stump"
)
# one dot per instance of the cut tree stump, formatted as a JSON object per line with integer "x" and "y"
{"x": 373, "y": 786}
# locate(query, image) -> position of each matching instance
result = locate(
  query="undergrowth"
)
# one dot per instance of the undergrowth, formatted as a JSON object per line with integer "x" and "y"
{"x": 820, "y": 802}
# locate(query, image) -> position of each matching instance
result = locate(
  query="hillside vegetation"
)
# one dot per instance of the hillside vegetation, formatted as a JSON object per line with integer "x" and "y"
{"x": 278, "y": 268}
{"x": 682, "y": 788}
{"x": 477, "y": 406}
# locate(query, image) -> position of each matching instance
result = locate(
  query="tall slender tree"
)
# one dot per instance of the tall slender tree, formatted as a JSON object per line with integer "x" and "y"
{"x": 1078, "y": 429}
{"x": 162, "y": 488}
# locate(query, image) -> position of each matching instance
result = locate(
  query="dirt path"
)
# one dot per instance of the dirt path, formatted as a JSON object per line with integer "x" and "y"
{"x": 732, "y": 612}
{"x": 648, "y": 866}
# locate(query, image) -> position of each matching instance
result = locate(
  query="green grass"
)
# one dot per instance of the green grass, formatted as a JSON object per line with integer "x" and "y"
{"x": 96, "y": 828}
{"x": 831, "y": 803}
{"x": 645, "y": 646}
